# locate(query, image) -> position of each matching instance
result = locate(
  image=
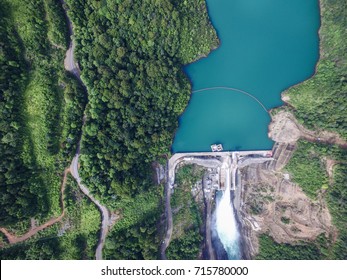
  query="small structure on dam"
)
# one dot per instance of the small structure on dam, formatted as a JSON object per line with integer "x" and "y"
{"x": 217, "y": 147}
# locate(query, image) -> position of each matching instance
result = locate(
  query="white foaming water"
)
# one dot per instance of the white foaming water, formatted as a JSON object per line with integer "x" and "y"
{"x": 226, "y": 226}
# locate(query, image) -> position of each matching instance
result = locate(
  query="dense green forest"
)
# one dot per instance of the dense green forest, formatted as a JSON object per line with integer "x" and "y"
{"x": 41, "y": 109}
{"x": 270, "y": 250}
{"x": 131, "y": 54}
{"x": 12, "y": 64}
{"x": 187, "y": 236}
{"x": 321, "y": 102}
{"x": 75, "y": 237}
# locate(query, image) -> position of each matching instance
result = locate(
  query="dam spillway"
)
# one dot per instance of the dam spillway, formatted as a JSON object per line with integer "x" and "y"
{"x": 226, "y": 225}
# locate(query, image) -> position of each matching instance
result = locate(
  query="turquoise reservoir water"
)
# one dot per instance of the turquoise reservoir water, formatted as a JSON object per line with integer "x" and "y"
{"x": 266, "y": 47}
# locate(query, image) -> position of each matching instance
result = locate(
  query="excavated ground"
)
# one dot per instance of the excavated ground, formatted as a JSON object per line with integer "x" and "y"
{"x": 281, "y": 209}
{"x": 277, "y": 205}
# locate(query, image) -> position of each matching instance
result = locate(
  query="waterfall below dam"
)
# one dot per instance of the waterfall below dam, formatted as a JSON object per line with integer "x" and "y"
{"x": 226, "y": 230}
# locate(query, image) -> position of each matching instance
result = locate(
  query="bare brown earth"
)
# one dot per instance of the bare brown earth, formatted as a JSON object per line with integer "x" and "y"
{"x": 284, "y": 128}
{"x": 13, "y": 239}
{"x": 277, "y": 205}
{"x": 282, "y": 208}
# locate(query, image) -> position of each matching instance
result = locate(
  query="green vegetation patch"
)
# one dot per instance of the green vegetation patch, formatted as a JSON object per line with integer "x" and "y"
{"x": 16, "y": 200}
{"x": 57, "y": 28}
{"x": 75, "y": 237}
{"x": 337, "y": 203}
{"x": 135, "y": 235}
{"x": 186, "y": 247}
{"x": 285, "y": 220}
{"x": 187, "y": 215}
{"x": 307, "y": 169}
{"x": 320, "y": 102}
{"x": 271, "y": 250}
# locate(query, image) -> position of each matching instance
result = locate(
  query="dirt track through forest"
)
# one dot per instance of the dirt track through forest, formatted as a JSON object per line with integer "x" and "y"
{"x": 13, "y": 239}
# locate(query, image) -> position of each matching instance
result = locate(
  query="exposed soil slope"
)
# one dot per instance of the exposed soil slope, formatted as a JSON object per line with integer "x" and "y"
{"x": 278, "y": 205}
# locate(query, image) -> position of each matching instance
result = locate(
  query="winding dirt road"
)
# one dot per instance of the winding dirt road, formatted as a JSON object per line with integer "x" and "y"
{"x": 105, "y": 214}
{"x": 71, "y": 66}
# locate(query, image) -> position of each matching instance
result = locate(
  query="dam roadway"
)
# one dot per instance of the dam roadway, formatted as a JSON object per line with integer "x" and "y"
{"x": 229, "y": 163}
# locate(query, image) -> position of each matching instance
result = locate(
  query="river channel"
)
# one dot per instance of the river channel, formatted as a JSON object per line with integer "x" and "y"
{"x": 266, "y": 47}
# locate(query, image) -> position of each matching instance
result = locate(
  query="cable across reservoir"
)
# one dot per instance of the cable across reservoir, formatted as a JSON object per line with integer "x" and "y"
{"x": 234, "y": 89}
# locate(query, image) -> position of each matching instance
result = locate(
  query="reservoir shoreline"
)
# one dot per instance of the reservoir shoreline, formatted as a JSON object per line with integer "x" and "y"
{"x": 222, "y": 69}
{"x": 284, "y": 97}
